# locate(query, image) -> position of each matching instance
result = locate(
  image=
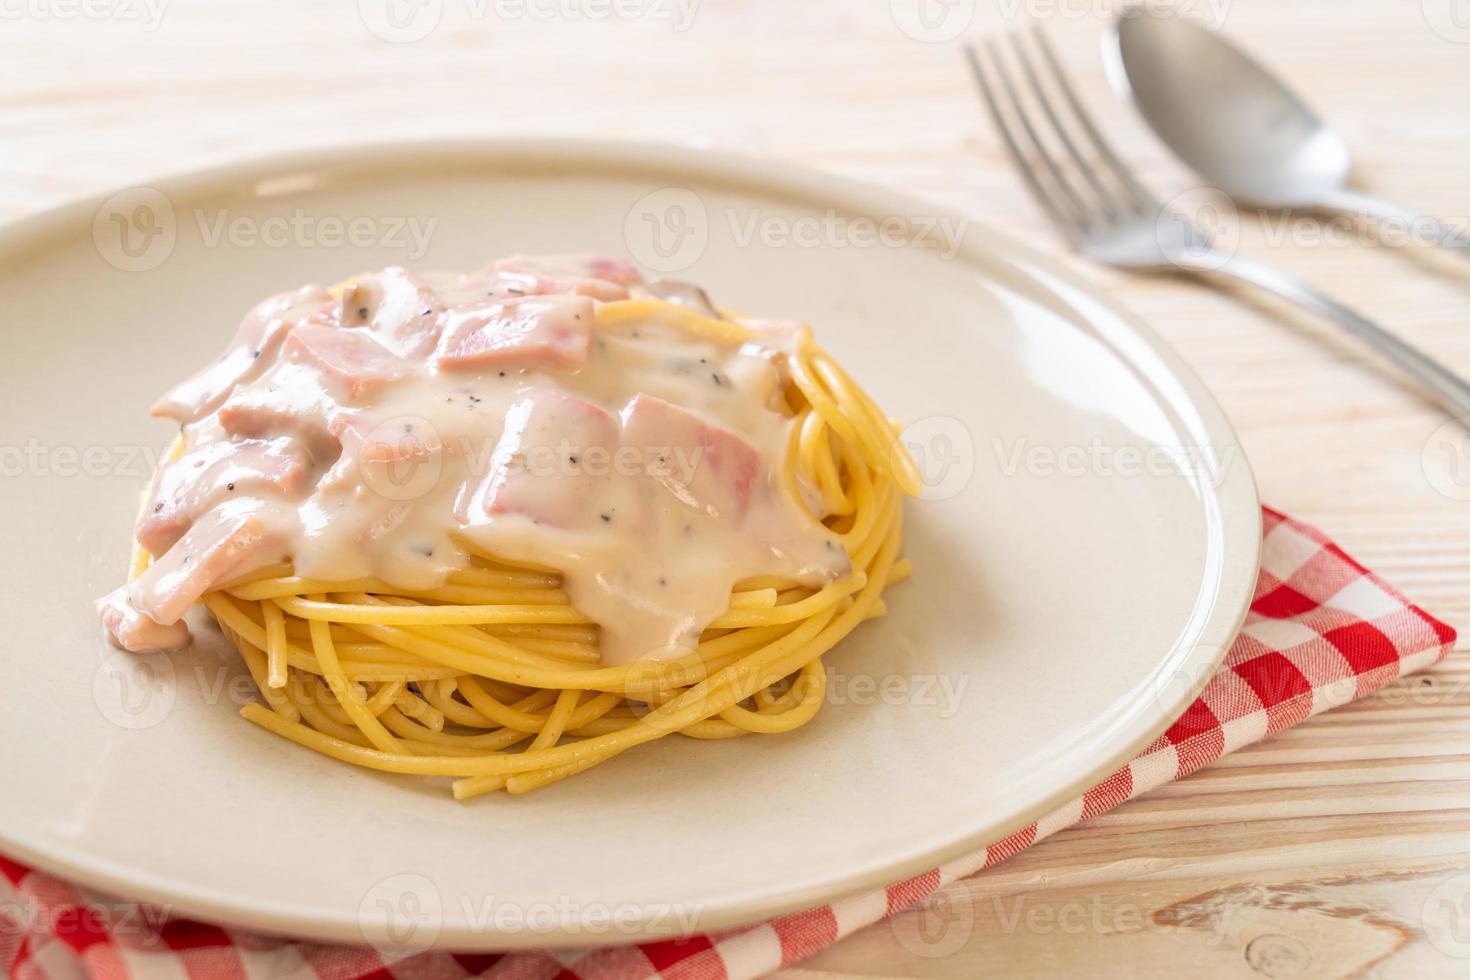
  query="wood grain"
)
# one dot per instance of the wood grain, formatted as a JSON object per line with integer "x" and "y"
{"x": 1325, "y": 851}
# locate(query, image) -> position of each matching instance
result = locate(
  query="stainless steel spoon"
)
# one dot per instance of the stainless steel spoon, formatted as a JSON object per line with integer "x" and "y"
{"x": 1239, "y": 126}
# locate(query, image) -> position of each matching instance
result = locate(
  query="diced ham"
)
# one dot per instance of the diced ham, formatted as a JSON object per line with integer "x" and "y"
{"x": 135, "y": 632}
{"x": 554, "y": 464}
{"x": 703, "y": 465}
{"x": 202, "y": 478}
{"x": 397, "y": 309}
{"x": 383, "y": 442}
{"x": 528, "y": 332}
{"x": 596, "y": 276}
{"x": 353, "y": 364}
{"x": 398, "y": 458}
{"x": 294, "y": 407}
{"x": 253, "y": 348}
{"x": 222, "y": 544}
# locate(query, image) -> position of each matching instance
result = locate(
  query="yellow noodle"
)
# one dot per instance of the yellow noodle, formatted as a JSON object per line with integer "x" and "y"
{"x": 493, "y": 679}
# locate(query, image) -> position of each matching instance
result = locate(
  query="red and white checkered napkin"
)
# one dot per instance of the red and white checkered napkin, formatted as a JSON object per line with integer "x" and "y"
{"x": 1322, "y": 631}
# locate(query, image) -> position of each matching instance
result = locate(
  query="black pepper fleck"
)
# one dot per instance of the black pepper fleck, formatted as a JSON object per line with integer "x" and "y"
{"x": 229, "y": 486}
{"x": 158, "y": 507}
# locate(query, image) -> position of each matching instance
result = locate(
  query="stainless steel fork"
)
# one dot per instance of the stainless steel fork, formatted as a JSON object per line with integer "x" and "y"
{"x": 1106, "y": 213}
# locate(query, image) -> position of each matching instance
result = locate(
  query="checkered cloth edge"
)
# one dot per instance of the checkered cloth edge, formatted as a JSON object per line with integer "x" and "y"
{"x": 1322, "y": 631}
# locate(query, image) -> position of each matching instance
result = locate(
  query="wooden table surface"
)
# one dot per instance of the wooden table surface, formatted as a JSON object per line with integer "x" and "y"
{"x": 1316, "y": 853}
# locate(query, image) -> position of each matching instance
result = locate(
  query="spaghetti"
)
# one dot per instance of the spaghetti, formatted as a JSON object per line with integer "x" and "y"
{"x": 495, "y": 678}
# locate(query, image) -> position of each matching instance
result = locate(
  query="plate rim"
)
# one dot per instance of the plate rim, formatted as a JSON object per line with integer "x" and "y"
{"x": 1236, "y": 494}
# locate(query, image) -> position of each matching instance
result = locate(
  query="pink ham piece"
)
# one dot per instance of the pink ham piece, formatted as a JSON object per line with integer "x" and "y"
{"x": 222, "y": 544}
{"x": 258, "y": 413}
{"x": 527, "y": 332}
{"x": 703, "y": 465}
{"x": 399, "y": 311}
{"x": 393, "y": 441}
{"x": 554, "y": 464}
{"x": 254, "y": 347}
{"x": 135, "y": 632}
{"x": 398, "y": 459}
{"x": 596, "y": 276}
{"x": 214, "y": 472}
{"x": 352, "y": 364}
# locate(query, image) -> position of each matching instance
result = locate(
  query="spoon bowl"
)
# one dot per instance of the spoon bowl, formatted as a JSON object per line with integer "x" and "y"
{"x": 1238, "y": 125}
{"x": 1225, "y": 115}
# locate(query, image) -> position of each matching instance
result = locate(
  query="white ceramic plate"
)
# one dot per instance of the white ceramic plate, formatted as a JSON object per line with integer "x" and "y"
{"x": 1074, "y": 586}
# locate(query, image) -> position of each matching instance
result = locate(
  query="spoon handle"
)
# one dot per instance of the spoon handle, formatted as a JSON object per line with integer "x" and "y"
{"x": 1451, "y": 390}
{"x": 1420, "y": 226}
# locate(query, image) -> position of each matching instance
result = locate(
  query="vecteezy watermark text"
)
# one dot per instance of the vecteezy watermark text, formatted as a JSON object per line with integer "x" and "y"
{"x": 302, "y": 229}
{"x": 668, "y": 230}
{"x": 148, "y": 14}
{"x": 136, "y": 230}
{"x": 407, "y": 911}
{"x": 407, "y": 21}
{"x": 1098, "y": 458}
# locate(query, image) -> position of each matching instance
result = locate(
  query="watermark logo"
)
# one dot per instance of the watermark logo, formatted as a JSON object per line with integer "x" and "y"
{"x": 400, "y": 21}
{"x": 943, "y": 449}
{"x": 939, "y": 927}
{"x": 1180, "y": 685}
{"x": 402, "y": 912}
{"x": 1450, "y": 19}
{"x": 134, "y": 692}
{"x": 667, "y": 230}
{"x": 401, "y": 459}
{"x": 1445, "y": 459}
{"x": 135, "y": 230}
{"x": 932, "y": 21}
{"x": 1278, "y": 955}
{"x": 1203, "y": 222}
{"x": 1446, "y": 916}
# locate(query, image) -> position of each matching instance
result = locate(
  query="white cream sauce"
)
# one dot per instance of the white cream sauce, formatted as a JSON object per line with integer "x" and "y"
{"x": 377, "y": 435}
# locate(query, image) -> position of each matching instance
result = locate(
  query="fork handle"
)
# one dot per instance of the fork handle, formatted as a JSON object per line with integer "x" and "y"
{"x": 1431, "y": 228}
{"x": 1451, "y": 390}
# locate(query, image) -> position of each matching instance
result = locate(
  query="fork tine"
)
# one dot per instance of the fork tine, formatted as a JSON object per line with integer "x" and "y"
{"x": 1108, "y": 199}
{"x": 1121, "y": 172}
{"x": 1068, "y": 218}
